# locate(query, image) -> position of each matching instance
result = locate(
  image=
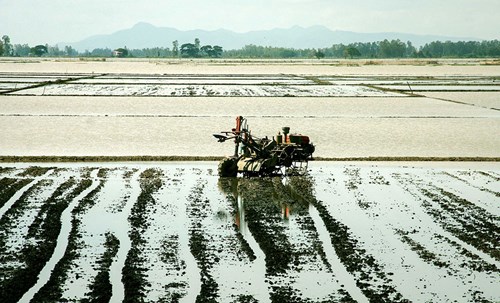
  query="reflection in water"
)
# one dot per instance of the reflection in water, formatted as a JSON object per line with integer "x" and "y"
{"x": 280, "y": 195}
{"x": 285, "y": 223}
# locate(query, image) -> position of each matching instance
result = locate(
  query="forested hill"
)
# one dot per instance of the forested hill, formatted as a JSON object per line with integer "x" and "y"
{"x": 144, "y": 35}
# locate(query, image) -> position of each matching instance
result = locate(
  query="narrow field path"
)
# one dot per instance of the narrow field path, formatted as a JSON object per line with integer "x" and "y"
{"x": 115, "y": 271}
{"x": 62, "y": 241}
{"x": 20, "y": 192}
{"x": 338, "y": 268}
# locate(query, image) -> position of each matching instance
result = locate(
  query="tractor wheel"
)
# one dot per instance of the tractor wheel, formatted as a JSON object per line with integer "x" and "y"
{"x": 228, "y": 167}
{"x": 286, "y": 156}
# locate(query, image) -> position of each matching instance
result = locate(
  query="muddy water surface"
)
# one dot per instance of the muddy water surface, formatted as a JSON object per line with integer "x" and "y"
{"x": 342, "y": 113}
{"x": 192, "y": 136}
{"x": 367, "y": 232}
{"x": 308, "y": 67}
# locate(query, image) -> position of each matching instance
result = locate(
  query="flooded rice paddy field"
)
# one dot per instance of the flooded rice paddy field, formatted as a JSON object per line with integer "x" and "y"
{"x": 176, "y": 232}
{"x": 349, "y": 108}
{"x": 324, "y": 67}
{"x": 192, "y": 136}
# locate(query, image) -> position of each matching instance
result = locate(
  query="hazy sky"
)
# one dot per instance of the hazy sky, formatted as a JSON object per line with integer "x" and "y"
{"x": 52, "y": 21}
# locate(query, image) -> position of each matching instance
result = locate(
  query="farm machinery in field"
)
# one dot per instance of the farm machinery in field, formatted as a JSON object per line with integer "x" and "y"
{"x": 286, "y": 154}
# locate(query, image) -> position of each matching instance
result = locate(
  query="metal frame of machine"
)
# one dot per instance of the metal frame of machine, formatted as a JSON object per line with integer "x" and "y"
{"x": 286, "y": 154}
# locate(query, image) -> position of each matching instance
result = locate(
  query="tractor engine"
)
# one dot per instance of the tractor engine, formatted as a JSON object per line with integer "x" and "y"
{"x": 286, "y": 154}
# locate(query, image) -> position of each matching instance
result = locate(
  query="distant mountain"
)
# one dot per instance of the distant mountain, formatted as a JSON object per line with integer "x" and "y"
{"x": 144, "y": 35}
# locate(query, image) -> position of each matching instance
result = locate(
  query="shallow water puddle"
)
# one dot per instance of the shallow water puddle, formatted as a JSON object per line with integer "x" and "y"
{"x": 62, "y": 242}
{"x": 8, "y": 204}
{"x": 338, "y": 268}
{"x": 347, "y": 231}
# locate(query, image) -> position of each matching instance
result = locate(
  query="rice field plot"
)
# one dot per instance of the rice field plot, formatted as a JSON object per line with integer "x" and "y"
{"x": 13, "y": 82}
{"x": 237, "y": 85}
{"x": 420, "y": 84}
{"x": 176, "y": 232}
{"x": 452, "y": 88}
{"x": 206, "y": 90}
{"x": 32, "y": 77}
{"x": 481, "y": 99}
{"x": 202, "y": 85}
{"x": 202, "y": 79}
{"x": 6, "y": 87}
{"x": 439, "y": 84}
{"x": 412, "y": 80}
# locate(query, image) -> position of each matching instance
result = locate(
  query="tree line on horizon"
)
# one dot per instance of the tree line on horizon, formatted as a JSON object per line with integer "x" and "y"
{"x": 373, "y": 50}
{"x": 367, "y": 50}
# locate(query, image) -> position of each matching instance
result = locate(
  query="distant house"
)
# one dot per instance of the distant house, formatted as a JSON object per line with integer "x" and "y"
{"x": 117, "y": 53}
{"x": 120, "y": 52}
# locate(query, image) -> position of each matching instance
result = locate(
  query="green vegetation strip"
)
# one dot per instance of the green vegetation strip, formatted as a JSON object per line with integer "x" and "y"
{"x": 42, "y": 159}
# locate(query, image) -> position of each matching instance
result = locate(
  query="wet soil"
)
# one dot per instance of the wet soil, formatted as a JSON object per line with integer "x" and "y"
{"x": 343, "y": 233}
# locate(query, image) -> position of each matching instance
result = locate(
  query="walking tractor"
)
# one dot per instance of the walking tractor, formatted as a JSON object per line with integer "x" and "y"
{"x": 286, "y": 154}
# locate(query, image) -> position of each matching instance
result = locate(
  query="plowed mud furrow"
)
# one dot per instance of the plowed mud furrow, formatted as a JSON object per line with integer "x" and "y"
{"x": 8, "y": 187}
{"x": 345, "y": 279}
{"x": 25, "y": 179}
{"x": 472, "y": 186}
{"x": 370, "y": 276}
{"x": 101, "y": 288}
{"x": 462, "y": 218}
{"x": 134, "y": 272}
{"x": 314, "y": 267}
{"x": 280, "y": 222}
{"x": 264, "y": 218}
{"x": 482, "y": 180}
{"x": 21, "y": 213}
{"x": 201, "y": 244}
{"x": 41, "y": 232}
{"x": 441, "y": 247}
{"x": 240, "y": 252}
{"x": 176, "y": 232}
{"x": 119, "y": 208}
{"x": 34, "y": 171}
{"x": 172, "y": 274}
{"x": 377, "y": 228}
{"x": 52, "y": 290}
{"x": 229, "y": 187}
{"x": 13, "y": 231}
{"x": 42, "y": 237}
{"x": 6, "y": 171}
